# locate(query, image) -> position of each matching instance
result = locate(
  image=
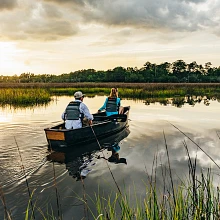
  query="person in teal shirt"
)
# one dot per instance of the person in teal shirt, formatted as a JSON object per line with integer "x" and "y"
{"x": 112, "y": 104}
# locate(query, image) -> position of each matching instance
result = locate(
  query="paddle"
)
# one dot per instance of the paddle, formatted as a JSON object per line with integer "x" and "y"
{"x": 116, "y": 118}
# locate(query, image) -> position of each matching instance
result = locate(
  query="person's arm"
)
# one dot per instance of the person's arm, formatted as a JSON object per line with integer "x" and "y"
{"x": 63, "y": 116}
{"x": 86, "y": 112}
{"x": 119, "y": 102}
{"x": 104, "y": 105}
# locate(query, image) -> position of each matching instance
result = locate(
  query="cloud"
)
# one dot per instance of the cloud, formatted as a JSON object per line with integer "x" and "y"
{"x": 161, "y": 15}
{"x": 8, "y": 4}
{"x": 57, "y": 19}
{"x": 146, "y": 14}
{"x": 36, "y": 21}
{"x": 75, "y": 2}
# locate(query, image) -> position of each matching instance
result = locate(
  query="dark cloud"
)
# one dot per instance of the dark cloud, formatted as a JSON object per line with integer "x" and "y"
{"x": 8, "y": 4}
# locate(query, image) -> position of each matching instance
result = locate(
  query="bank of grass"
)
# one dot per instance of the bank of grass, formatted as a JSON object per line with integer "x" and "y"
{"x": 142, "y": 93}
{"x": 148, "y": 86}
{"x": 24, "y": 96}
{"x": 40, "y": 93}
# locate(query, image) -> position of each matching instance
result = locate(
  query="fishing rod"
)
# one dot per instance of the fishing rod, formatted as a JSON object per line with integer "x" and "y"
{"x": 105, "y": 160}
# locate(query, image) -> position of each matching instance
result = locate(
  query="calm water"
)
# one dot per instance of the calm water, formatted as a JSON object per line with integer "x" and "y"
{"x": 23, "y": 131}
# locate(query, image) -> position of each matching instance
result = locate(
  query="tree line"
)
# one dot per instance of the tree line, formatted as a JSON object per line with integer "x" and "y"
{"x": 176, "y": 72}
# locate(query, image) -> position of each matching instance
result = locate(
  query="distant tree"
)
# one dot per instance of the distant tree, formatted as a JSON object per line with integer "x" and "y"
{"x": 179, "y": 69}
{"x": 119, "y": 74}
{"x": 208, "y": 67}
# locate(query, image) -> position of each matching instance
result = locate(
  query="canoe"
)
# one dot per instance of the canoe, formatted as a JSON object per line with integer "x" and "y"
{"x": 103, "y": 126}
{"x": 81, "y": 158}
{"x": 87, "y": 149}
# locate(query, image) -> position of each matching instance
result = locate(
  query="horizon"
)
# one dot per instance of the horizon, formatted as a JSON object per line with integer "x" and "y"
{"x": 95, "y": 70}
{"x": 63, "y": 36}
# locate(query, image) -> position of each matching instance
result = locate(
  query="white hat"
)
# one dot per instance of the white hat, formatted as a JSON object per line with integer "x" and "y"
{"x": 78, "y": 94}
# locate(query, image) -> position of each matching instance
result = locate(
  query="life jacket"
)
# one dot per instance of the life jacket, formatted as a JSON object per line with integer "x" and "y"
{"x": 73, "y": 112}
{"x": 111, "y": 105}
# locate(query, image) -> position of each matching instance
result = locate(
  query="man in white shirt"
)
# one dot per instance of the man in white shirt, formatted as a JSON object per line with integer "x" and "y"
{"x": 75, "y": 112}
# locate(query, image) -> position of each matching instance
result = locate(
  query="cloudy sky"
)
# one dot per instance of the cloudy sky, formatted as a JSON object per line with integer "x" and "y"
{"x": 60, "y": 36}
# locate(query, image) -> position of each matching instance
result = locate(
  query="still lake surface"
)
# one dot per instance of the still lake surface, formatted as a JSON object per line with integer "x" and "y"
{"x": 22, "y": 130}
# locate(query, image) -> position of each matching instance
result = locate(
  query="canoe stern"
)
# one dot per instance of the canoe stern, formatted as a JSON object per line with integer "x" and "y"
{"x": 55, "y": 135}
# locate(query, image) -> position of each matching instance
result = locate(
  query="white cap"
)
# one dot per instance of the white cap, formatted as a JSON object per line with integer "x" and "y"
{"x": 78, "y": 94}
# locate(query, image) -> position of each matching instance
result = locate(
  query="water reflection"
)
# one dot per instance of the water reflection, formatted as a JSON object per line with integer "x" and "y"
{"x": 115, "y": 158}
{"x": 146, "y": 140}
{"x": 25, "y": 105}
{"x": 81, "y": 161}
{"x": 179, "y": 101}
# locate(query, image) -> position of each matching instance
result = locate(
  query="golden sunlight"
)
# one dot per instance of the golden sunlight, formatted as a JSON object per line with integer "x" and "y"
{"x": 9, "y": 55}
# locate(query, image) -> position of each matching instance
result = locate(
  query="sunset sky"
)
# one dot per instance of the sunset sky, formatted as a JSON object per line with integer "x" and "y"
{"x": 60, "y": 36}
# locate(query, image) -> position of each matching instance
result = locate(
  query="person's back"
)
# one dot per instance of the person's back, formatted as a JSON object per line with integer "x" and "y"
{"x": 112, "y": 103}
{"x": 75, "y": 112}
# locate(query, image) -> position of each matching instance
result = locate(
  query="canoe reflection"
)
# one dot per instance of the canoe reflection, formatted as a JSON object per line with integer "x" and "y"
{"x": 81, "y": 161}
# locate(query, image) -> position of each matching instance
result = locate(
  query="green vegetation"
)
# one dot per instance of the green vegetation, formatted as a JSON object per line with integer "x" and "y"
{"x": 201, "y": 202}
{"x": 24, "y": 97}
{"x": 35, "y": 94}
{"x": 143, "y": 93}
{"x": 175, "y": 72}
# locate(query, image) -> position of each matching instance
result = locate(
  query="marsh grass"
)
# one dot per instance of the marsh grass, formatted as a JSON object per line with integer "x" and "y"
{"x": 150, "y": 92}
{"x": 7, "y": 214}
{"x": 30, "y": 203}
{"x": 24, "y": 97}
{"x": 184, "y": 201}
{"x": 158, "y": 206}
{"x": 140, "y": 93}
{"x": 40, "y": 93}
{"x": 155, "y": 204}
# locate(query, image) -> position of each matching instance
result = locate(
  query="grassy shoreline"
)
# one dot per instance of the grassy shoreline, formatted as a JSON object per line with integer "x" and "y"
{"x": 40, "y": 93}
{"x": 110, "y": 85}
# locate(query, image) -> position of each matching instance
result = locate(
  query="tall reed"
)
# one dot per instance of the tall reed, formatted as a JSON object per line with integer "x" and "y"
{"x": 34, "y": 94}
{"x": 27, "y": 184}
{"x": 194, "y": 198}
{"x": 21, "y": 96}
{"x": 6, "y": 210}
{"x": 152, "y": 206}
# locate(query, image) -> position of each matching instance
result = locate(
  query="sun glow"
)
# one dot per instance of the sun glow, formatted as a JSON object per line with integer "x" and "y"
{"x": 9, "y": 55}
